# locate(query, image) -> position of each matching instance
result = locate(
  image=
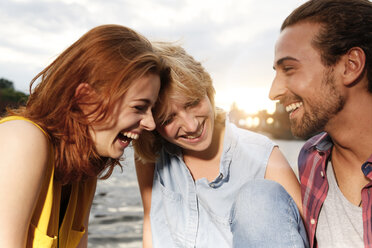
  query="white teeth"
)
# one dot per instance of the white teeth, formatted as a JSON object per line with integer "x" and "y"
{"x": 293, "y": 106}
{"x": 190, "y": 137}
{"x": 131, "y": 135}
{"x": 200, "y": 131}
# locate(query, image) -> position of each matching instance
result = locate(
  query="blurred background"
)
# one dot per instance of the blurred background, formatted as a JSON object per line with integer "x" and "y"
{"x": 234, "y": 40}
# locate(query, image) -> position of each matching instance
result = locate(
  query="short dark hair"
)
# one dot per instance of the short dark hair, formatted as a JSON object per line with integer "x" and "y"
{"x": 344, "y": 24}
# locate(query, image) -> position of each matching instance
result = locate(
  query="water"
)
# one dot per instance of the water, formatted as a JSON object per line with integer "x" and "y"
{"x": 116, "y": 215}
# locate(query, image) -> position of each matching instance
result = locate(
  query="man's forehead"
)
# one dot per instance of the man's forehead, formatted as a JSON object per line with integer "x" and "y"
{"x": 294, "y": 40}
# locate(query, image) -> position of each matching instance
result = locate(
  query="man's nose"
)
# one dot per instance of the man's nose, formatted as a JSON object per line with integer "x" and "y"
{"x": 278, "y": 88}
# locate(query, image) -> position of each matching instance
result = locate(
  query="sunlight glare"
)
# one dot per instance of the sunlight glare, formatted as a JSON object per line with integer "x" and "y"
{"x": 250, "y": 100}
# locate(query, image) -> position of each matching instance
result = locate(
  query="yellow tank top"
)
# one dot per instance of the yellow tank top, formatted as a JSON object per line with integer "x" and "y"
{"x": 44, "y": 230}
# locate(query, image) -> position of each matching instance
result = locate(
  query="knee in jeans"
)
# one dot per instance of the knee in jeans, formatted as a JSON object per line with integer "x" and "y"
{"x": 261, "y": 196}
{"x": 262, "y": 190}
{"x": 264, "y": 213}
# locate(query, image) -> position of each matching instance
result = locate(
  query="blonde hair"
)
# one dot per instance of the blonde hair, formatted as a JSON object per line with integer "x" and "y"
{"x": 188, "y": 79}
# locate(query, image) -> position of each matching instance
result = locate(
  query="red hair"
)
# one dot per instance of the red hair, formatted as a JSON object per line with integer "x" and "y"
{"x": 108, "y": 58}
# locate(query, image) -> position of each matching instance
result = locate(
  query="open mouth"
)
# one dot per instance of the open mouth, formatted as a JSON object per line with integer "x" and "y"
{"x": 196, "y": 135}
{"x": 127, "y": 137}
{"x": 293, "y": 107}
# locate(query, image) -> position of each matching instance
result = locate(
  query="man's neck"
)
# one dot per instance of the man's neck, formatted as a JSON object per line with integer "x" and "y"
{"x": 351, "y": 130}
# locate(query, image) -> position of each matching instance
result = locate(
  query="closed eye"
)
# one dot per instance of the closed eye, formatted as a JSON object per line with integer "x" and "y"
{"x": 192, "y": 103}
{"x": 287, "y": 68}
{"x": 141, "y": 108}
{"x": 168, "y": 120}
{"x": 286, "y": 64}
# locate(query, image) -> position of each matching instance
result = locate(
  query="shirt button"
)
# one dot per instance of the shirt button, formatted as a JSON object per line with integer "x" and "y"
{"x": 322, "y": 173}
{"x": 312, "y": 221}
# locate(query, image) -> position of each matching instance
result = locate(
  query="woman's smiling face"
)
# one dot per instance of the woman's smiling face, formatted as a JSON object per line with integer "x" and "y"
{"x": 133, "y": 115}
{"x": 190, "y": 125}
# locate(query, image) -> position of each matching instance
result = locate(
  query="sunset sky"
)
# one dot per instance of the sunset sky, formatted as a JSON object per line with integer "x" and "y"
{"x": 234, "y": 39}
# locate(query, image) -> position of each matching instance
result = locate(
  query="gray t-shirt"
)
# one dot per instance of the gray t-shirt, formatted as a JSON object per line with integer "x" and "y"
{"x": 340, "y": 222}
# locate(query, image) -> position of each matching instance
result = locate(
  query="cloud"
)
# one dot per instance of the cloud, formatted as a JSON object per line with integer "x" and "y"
{"x": 234, "y": 39}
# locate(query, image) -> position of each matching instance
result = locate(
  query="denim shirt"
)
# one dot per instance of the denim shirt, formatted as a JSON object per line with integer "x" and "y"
{"x": 188, "y": 213}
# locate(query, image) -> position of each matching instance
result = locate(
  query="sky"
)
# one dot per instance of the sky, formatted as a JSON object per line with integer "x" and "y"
{"x": 234, "y": 39}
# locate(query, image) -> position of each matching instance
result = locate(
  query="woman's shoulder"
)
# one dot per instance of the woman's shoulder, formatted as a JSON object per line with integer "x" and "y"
{"x": 22, "y": 133}
{"x": 24, "y": 157}
{"x": 23, "y": 147}
{"x": 20, "y": 123}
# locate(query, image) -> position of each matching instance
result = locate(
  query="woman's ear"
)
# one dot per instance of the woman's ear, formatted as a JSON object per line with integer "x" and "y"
{"x": 83, "y": 90}
{"x": 85, "y": 97}
{"x": 354, "y": 61}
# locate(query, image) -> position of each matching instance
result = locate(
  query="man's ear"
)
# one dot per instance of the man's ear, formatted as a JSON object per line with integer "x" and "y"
{"x": 354, "y": 61}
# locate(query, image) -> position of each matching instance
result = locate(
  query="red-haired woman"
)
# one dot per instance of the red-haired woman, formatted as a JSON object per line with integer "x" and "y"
{"x": 89, "y": 104}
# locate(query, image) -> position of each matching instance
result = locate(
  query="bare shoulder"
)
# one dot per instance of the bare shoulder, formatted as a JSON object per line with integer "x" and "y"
{"x": 22, "y": 131}
{"x": 279, "y": 170}
{"x": 23, "y": 162}
{"x": 278, "y": 167}
{"x": 277, "y": 159}
{"x": 21, "y": 140}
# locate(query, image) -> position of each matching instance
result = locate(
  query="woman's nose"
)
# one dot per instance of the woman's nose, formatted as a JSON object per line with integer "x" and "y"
{"x": 189, "y": 122}
{"x": 148, "y": 122}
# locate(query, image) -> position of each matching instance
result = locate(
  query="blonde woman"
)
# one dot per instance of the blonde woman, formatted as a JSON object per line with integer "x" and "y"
{"x": 206, "y": 183}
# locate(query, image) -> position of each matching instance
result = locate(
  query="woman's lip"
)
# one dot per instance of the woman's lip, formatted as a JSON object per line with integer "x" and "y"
{"x": 123, "y": 141}
{"x": 129, "y": 135}
{"x": 198, "y": 139}
{"x": 123, "y": 144}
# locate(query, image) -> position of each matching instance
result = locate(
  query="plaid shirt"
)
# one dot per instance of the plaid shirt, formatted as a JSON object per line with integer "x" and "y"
{"x": 312, "y": 163}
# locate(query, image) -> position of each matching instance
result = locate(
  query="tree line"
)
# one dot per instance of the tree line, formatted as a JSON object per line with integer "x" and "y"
{"x": 9, "y": 97}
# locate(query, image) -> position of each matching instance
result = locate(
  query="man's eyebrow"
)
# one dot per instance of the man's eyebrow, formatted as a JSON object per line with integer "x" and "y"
{"x": 281, "y": 61}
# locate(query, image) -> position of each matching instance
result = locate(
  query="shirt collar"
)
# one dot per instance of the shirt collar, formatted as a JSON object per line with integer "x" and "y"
{"x": 322, "y": 142}
{"x": 367, "y": 168}
{"x": 229, "y": 143}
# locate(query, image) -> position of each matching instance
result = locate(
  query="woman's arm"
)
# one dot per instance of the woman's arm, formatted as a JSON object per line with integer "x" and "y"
{"x": 279, "y": 170}
{"x": 23, "y": 162}
{"x": 145, "y": 176}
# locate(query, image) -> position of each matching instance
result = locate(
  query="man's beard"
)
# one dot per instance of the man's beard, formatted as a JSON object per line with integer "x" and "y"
{"x": 320, "y": 109}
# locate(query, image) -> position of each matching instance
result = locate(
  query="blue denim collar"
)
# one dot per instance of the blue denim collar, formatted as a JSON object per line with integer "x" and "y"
{"x": 229, "y": 144}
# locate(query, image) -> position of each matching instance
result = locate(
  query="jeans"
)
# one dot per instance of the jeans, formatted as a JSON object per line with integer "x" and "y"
{"x": 265, "y": 215}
